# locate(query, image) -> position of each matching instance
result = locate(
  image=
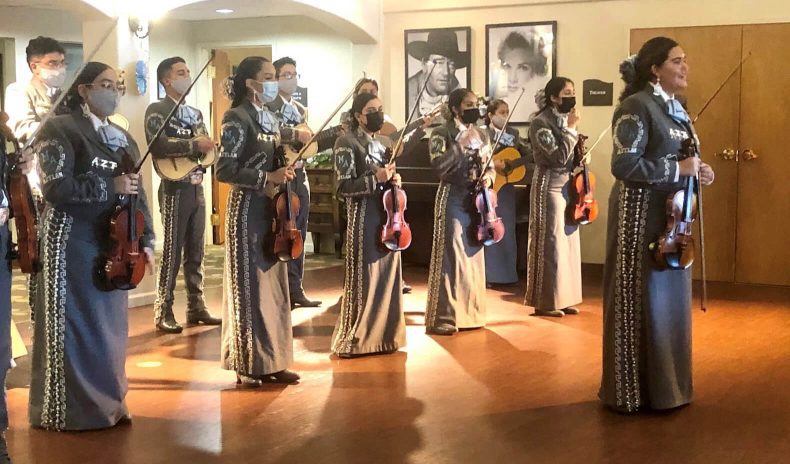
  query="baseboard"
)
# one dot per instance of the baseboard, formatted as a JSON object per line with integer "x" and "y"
{"x": 142, "y": 299}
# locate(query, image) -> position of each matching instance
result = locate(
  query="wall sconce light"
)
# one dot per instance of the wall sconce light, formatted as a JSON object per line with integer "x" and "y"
{"x": 140, "y": 27}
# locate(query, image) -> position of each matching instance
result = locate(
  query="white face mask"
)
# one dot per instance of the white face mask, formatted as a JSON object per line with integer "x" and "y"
{"x": 498, "y": 120}
{"x": 54, "y": 78}
{"x": 181, "y": 85}
{"x": 288, "y": 86}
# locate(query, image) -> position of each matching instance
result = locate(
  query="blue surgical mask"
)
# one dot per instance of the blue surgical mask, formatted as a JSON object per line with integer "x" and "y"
{"x": 270, "y": 90}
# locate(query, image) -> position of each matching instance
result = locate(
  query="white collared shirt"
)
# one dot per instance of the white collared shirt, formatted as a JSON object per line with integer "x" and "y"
{"x": 658, "y": 90}
{"x": 97, "y": 123}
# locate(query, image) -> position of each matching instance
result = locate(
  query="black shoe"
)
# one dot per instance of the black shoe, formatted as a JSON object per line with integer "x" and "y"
{"x": 286, "y": 377}
{"x": 302, "y": 301}
{"x": 126, "y": 419}
{"x": 406, "y": 287}
{"x": 442, "y": 329}
{"x": 570, "y": 310}
{"x": 247, "y": 382}
{"x": 203, "y": 317}
{"x": 4, "y": 458}
{"x": 548, "y": 313}
{"x": 171, "y": 326}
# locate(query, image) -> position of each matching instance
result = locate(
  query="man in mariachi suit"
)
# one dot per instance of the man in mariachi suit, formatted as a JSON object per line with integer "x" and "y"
{"x": 181, "y": 202}
{"x": 24, "y": 165}
{"x": 292, "y": 113}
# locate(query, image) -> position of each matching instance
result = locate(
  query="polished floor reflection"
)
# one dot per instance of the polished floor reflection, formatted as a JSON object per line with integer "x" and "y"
{"x": 521, "y": 390}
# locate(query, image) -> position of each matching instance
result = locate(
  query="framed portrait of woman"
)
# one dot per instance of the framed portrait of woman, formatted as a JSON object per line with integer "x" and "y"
{"x": 520, "y": 55}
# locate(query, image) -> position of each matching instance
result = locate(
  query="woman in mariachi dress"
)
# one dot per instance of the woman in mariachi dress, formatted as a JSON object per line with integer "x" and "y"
{"x": 257, "y": 342}
{"x": 501, "y": 265}
{"x": 80, "y": 334}
{"x": 647, "y": 309}
{"x": 554, "y": 274}
{"x": 371, "y": 313}
{"x": 456, "y": 279}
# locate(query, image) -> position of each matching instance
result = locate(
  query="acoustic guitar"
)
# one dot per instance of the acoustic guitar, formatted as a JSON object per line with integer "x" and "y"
{"x": 514, "y": 170}
{"x": 176, "y": 169}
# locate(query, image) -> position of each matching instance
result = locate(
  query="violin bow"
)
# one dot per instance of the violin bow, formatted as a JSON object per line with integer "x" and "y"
{"x": 63, "y": 93}
{"x": 721, "y": 87}
{"x": 411, "y": 114}
{"x": 326, "y": 123}
{"x": 703, "y": 267}
{"x": 498, "y": 139}
{"x": 172, "y": 112}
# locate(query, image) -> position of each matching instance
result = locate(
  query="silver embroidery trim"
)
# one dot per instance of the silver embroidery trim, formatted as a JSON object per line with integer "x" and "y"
{"x": 237, "y": 282}
{"x": 549, "y": 145}
{"x": 634, "y": 147}
{"x": 437, "y": 254}
{"x": 537, "y": 237}
{"x": 233, "y": 152}
{"x": 166, "y": 278}
{"x": 57, "y": 226}
{"x": 52, "y": 172}
{"x": 632, "y": 218}
{"x": 353, "y": 288}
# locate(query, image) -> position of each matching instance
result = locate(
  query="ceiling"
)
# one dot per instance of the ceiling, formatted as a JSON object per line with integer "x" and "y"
{"x": 206, "y": 10}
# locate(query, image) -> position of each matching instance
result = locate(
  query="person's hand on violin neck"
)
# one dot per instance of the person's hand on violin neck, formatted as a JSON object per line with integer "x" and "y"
{"x": 706, "y": 174}
{"x": 150, "y": 261}
{"x": 384, "y": 174}
{"x": 26, "y": 161}
{"x": 574, "y": 117}
{"x": 689, "y": 166}
{"x": 204, "y": 144}
{"x": 396, "y": 180}
{"x": 282, "y": 175}
{"x": 127, "y": 184}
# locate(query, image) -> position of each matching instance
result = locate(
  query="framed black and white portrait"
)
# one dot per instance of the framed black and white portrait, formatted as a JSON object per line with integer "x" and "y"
{"x": 521, "y": 55}
{"x": 449, "y": 49}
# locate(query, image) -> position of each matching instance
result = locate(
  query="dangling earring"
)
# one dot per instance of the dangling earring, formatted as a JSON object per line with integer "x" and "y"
{"x": 86, "y": 111}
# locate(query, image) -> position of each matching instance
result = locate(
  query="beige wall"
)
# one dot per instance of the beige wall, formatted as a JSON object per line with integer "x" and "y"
{"x": 592, "y": 40}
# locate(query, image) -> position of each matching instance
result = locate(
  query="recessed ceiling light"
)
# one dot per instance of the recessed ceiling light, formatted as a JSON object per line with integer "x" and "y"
{"x": 224, "y": 11}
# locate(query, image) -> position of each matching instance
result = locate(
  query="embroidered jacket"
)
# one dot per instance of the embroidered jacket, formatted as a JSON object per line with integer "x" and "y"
{"x": 357, "y": 157}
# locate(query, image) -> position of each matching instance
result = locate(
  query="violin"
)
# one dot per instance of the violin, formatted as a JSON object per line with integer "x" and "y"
{"x": 125, "y": 262}
{"x": 288, "y": 243}
{"x": 23, "y": 209}
{"x": 584, "y": 208}
{"x": 675, "y": 248}
{"x": 490, "y": 229}
{"x": 396, "y": 232}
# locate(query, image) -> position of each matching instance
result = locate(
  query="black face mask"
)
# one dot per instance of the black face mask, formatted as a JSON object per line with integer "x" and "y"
{"x": 470, "y": 116}
{"x": 567, "y": 104}
{"x": 375, "y": 121}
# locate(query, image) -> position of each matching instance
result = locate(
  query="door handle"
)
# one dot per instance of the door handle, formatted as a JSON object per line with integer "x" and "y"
{"x": 749, "y": 155}
{"x": 728, "y": 155}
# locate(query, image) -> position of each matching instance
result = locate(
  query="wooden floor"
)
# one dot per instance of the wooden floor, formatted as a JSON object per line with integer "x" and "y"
{"x": 522, "y": 390}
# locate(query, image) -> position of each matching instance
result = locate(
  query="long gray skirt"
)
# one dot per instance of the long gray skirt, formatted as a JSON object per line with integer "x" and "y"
{"x": 371, "y": 313}
{"x": 456, "y": 278}
{"x": 554, "y": 269}
{"x": 80, "y": 332}
{"x": 257, "y": 336}
{"x": 647, "y": 311}
{"x": 501, "y": 257}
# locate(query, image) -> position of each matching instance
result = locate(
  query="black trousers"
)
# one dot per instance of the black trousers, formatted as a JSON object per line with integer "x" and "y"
{"x": 296, "y": 266}
{"x": 183, "y": 209}
{"x": 5, "y": 320}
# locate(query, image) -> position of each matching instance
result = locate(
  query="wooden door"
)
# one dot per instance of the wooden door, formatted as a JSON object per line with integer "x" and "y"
{"x": 763, "y": 254}
{"x": 220, "y": 104}
{"x": 712, "y": 53}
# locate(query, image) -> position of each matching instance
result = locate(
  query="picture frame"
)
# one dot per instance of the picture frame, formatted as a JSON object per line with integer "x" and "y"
{"x": 451, "y": 48}
{"x": 520, "y": 55}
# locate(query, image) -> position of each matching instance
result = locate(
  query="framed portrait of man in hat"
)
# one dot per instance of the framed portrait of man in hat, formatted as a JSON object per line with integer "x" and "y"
{"x": 449, "y": 49}
{"x": 520, "y": 56}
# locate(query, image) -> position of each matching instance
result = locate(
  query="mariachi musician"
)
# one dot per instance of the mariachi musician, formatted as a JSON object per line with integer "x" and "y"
{"x": 371, "y": 313}
{"x": 291, "y": 113}
{"x": 181, "y": 202}
{"x": 81, "y": 328}
{"x": 456, "y": 281}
